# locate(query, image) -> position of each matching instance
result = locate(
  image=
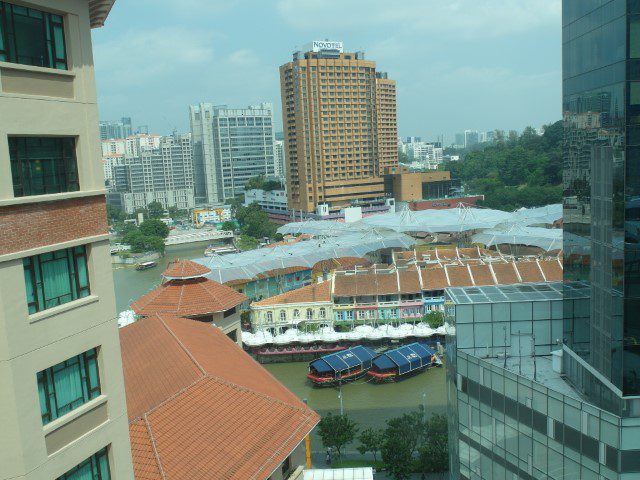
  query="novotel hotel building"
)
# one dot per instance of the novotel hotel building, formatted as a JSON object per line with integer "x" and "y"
{"x": 340, "y": 130}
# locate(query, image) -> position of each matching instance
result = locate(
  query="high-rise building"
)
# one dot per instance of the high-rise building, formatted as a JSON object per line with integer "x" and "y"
{"x": 471, "y": 138}
{"x": 62, "y": 400}
{"x": 163, "y": 174}
{"x": 279, "y": 162}
{"x": 116, "y": 129}
{"x": 231, "y": 145}
{"x": 339, "y": 120}
{"x": 554, "y": 393}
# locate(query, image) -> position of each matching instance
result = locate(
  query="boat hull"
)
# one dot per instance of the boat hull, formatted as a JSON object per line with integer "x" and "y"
{"x": 394, "y": 376}
{"x": 335, "y": 381}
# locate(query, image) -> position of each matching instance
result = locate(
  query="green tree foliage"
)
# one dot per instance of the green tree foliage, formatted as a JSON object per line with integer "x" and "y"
{"x": 247, "y": 243}
{"x": 403, "y": 157}
{"x": 371, "y": 440}
{"x": 143, "y": 243}
{"x": 336, "y": 431}
{"x": 396, "y": 455}
{"x": 175, "y": 212}
{"x": 154, "y": 228}
{"x": 411, "y": 426}
{"x": 516, "y": 170}
{"x": 434, "y": 319}
{"x": 115, "y": 215}
{"x": 228, "y": 226}
{"x": 433, "y": 455}
{"x": 261, "y": 183}
{"x": 155, "y": 209}
{"x": 254, "y": 222}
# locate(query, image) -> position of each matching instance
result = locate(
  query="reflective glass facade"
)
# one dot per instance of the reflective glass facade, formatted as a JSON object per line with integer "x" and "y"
{"x": 601, "y": 111}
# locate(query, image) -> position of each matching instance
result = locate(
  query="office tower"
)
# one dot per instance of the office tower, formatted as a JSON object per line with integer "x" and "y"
{"x": 279, "y": 162}
{"x": 471, "y": 138}
{"x": 460, "y": 140}
{"x": 509, "y": 412}
{"x": 230, "y": 146}
{"x": 163, "y": 174}
{"x": 339, "y": 120}
{"x": 118, "y": 129}
{"x": 62, "y": 401}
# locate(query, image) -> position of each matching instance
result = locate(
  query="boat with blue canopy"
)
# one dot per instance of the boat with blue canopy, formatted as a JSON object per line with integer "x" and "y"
{"x": 403, "y": 361}
{"x": 339, "y": 367}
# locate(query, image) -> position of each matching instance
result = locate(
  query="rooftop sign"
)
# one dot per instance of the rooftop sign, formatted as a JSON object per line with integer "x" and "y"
{"x": 322, "y": 45}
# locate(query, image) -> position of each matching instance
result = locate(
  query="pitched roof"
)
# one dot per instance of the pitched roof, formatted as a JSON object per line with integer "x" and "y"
{"x": 365, "y": 284}
{"x": 276, "y": 272}
{"x": 340, "y": 263}
{"x": 505, "y": 273}
{"x": 482, "y": 275}
{"x": 316, "y": 292}
{"x": 198, "y": 296}
{"x": 552, "y": 270}
{"x": 529, "y": 272}
{"x": 459, "y": 276}
{"x": 199, "y": 407}
{"x": 185, "y": 269}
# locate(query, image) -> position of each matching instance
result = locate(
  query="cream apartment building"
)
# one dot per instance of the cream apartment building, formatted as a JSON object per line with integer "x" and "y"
{"x": 62, "y": 401}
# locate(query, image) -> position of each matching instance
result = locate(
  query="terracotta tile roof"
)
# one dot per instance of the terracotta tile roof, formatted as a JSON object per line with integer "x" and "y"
{"x": 339, "y": 263}
{"x": 482, "y": 275}
{"x": 201, "y": 408}
{"x": 409, "y": 281}
{"x": 240, "y": 281}
{"x": 185, "y": 269}
{"x": 446, "y": 253}
{"x": 434, "y": 279}
{"x": 505, "y": 273}
{"x": 529, "y": 272}
{"x": 199, "y": 296}
{"x": 316, "y": 292}
{"x": 365, "y": 284}
{"x": 459, "y": 276}
{"x": 281, "y": 271}
{"x": 552, "y": 270}
{"x": 470, "y": 252}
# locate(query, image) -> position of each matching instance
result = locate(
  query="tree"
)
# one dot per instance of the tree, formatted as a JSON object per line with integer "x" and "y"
{"x": 371, "y": 440}
{"x": 396, "y": 455}
{"x": 255, "y": 183}
{"x": 434, "y": 453}
{"x": 247, "y": 243}
{"x": 403, "y": 157}
{"x": 254, "y": 222}
{"x": 155, "y": 228}
{"x": 336, "y": 431}
{"x": 228, "y": 226}
{"x": 115, "y": 214}
{"x": 434, "y": 319}
{"x": 154, "y": 243}
{"x": 410, "y": 426}
{"x": 155, "y": 209}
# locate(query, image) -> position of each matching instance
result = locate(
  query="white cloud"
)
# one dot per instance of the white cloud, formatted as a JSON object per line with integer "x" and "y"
{"x": 136, "y": 57}
{"x": 461, "y": 18}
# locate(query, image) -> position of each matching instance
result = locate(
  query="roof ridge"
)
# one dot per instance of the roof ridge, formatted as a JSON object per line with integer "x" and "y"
{"x": 186, "y": 350}
{"x": 153, "y": 446}
{"x": 167, "y": 400}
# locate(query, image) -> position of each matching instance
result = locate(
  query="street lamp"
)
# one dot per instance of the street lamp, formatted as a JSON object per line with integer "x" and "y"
{"x": 340, "y": 397}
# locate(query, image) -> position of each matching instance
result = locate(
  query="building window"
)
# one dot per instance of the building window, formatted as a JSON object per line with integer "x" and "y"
{"x": 283, "y": 316}
{"x": 323, "y": 313}
{"x": 68, "y": 385}
{"x": 309, "y": 314}
{"x": 96, "y": 467}
{"x": 42, "y": 165}
{"x": 228, "y": 313}
{"x": 269, "y": 317}
{"x": 31, "y": 37}
{"x": 56, "y": 278}
{"x": 286, "y": 467}
{"x": 296, "y": 313}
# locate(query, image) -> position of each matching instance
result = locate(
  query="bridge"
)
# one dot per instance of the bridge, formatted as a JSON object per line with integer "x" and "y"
{"x": 192, "y": 236}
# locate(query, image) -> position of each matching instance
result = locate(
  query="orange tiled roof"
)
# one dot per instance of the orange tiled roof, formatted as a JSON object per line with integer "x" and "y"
{"x": 459, "y": 276}
{"x": 365, "y": 284}
{"x": 434, "y": 279}
{"x": 316, "y": 292}
{"x": 552, "y": 270}
{"x": 409, "y": 281}
{"x": 482, "y": 275}
{"x": 185, "y": 269}
{"x": 281, "y": 271}
{"x": 198, "y": 296}
{"x": 339, "y": 263}
{"x": 505, "y": 273}
{"x": 529, "y": 272}
{"x": 200, "y": 408}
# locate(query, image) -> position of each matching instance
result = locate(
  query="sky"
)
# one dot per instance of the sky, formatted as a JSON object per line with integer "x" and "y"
{"x": 459, "y": 64}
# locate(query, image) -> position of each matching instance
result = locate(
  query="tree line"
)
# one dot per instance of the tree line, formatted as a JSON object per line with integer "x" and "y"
{"x": 410, "y": 443}
{"x": 514, "y": 171}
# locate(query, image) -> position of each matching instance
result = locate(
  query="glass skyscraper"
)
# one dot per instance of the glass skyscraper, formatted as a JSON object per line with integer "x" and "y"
{"x": 601, "y": 111}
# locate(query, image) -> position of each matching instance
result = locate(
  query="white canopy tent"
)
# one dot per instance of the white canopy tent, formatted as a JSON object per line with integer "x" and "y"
{"x": 545, "y": 238}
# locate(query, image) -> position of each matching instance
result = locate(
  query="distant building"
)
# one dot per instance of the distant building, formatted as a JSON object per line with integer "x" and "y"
{"x": 163, "y": 174}
{"x": 268, "y": 200}
{"x": 407, "y": 186}
{"x": 471, "y": 138}
{"x": 279, "y": 160}
{"x": 230, "y": 147}
{"x": 202, "y": 216}
{"x": 116, "y": 129}
{"x": 339, "y": 118}
{"x": 459, "y": 140}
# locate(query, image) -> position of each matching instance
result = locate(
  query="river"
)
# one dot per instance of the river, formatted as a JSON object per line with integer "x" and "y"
{"x": 370, "y": 405}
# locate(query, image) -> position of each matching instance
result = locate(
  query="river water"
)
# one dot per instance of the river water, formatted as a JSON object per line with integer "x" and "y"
{"x": 370, "y": 405}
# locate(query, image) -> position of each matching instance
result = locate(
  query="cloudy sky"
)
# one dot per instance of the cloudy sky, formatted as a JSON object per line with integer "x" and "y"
{"x": 459, "y": 64}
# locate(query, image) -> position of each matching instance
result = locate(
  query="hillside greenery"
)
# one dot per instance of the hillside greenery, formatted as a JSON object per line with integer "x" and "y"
{"x": 514, "y": 171}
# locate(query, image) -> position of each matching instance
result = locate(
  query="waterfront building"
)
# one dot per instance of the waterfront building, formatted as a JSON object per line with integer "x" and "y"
{"x": 339, "y": 118}
{"x": 231, "y": 145}
{"x": 200, "y": 407}
{"x": 186, "y": 292}
{"x": 163, "y": 174}
{"x": 216, "y": 216}
{"x": 398, "y": 293}
{"x": 62, "y": 401}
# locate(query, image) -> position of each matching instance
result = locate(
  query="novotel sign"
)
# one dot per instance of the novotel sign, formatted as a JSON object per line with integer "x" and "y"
{"x": 320, "y": 45}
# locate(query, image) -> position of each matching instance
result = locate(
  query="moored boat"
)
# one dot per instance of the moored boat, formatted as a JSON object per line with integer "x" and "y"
{"x": 145, "y": 265}
{"x": 402, "y": 362}
{"x": 340, "y": 367}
